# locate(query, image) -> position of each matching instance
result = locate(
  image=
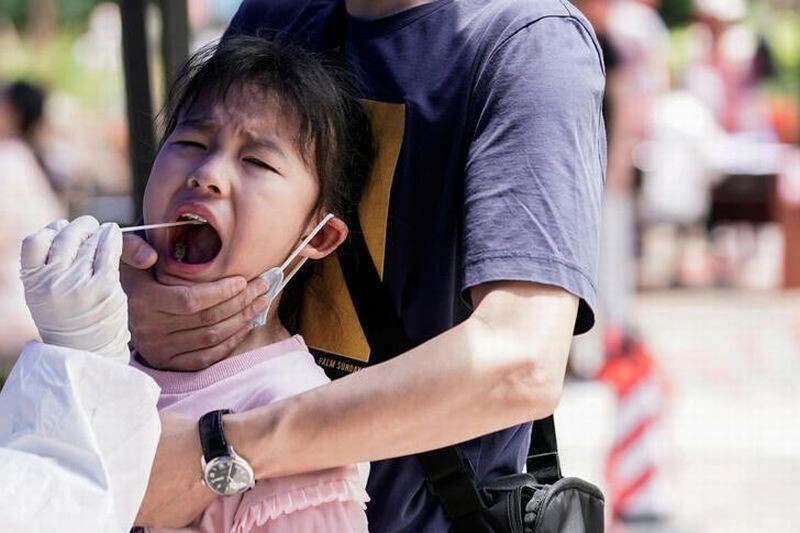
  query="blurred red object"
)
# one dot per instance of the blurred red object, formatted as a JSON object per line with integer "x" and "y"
{"x": 637, "y": 490}
{"x": 783, "y": 117}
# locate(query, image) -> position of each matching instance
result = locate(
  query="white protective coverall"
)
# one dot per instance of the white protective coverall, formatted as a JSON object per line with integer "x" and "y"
{"x": 78, "y": 433}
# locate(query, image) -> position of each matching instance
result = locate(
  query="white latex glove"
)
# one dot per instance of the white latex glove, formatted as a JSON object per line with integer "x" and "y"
{"x": 71, "y": 276}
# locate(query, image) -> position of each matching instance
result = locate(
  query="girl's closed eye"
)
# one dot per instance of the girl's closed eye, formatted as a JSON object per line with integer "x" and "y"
{"x": 189, "y": 144}
{"x": 260, "y": 164}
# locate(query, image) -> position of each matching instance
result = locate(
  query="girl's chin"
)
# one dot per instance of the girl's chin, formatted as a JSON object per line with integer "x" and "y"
{"x": 166, "y": 278}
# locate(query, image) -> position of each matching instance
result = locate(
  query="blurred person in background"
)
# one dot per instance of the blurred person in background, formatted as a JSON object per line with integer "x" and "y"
{"x": 622, "y": 112}
{"x": 714, "y": 126}
{"x": 727, "y": 61}
{"x": 666, "y": 139}
{"x": 641, "y": 41}
{"x": 680, "y": 170}
{"x": 635, "y": 47}
{"x": 27, "y": 203}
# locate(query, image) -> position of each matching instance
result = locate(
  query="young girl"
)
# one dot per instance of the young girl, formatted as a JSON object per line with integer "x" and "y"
{"x": 262, "y": 144}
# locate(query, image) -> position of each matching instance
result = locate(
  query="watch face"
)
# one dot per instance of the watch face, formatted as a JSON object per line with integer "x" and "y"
{"x": 228, "y": 475}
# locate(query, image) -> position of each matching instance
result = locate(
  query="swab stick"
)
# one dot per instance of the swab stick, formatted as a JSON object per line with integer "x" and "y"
{"x": 162, "y": 225}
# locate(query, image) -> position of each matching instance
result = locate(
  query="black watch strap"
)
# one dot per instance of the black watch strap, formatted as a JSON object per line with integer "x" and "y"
{"x": 212, "y": 438}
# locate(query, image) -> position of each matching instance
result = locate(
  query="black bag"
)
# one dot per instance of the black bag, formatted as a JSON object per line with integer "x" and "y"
{"x": 539, "y": 501}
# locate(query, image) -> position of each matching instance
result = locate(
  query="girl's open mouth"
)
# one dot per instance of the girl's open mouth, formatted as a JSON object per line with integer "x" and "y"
{"x": 194, "y": 244}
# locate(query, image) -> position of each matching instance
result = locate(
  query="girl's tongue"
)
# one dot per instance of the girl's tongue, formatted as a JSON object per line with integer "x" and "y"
{"x": 196, "y": 244}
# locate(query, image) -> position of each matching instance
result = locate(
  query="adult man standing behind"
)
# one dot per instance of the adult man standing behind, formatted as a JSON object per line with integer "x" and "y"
{"x": 482, "y": 223}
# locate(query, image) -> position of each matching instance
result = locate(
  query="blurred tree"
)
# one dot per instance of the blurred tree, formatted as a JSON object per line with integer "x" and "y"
{"x": 26, "y": 14}
{"x": 676, "y": 12}
{"x": 75, "y": 12}
{"x": 15, "y": 10}
{"x": 41, "y": 20}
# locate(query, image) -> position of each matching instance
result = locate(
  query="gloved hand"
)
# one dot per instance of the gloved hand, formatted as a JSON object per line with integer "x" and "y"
{"x": 71, "y": 276}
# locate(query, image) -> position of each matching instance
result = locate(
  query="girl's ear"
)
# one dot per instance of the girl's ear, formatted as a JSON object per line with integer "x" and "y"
{"x": 327, "y": 240}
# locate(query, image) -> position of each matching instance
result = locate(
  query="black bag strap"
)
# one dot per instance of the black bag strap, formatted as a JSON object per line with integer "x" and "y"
{"x": 542, "y": 459}
{"x": 449, "y": 476}
{"x": 451, "y": 479}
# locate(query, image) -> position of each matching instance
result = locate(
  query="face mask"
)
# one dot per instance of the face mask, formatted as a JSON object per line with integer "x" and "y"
{"x": 275, "y": 278}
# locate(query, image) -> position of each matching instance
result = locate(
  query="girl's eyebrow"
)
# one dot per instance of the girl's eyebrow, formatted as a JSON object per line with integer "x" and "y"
{"x": 207, "y": 124}
{"x": 198, "y": 123}
{"x": 260, "y": 141}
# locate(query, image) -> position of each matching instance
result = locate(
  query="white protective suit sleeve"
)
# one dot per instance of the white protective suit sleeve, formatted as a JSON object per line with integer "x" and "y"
{"x": 78, "y": 434}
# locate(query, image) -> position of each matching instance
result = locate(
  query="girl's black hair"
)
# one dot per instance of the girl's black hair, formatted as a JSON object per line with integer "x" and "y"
{"x": 334, "y": 136}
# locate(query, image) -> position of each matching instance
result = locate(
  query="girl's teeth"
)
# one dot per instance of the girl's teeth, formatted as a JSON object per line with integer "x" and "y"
{"x": 192, "y": 216}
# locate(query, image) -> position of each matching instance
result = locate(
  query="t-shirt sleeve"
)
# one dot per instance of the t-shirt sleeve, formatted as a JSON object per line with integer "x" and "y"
{"x": 536, "y": 164}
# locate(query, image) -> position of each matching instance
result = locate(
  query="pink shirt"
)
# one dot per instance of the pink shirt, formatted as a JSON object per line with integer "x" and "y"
{"x": 330, "y": 500}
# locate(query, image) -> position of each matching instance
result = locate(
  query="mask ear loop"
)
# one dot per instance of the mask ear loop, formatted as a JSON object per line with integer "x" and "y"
{"x": 275, "y": 277}
{"x": 299, "y": 249}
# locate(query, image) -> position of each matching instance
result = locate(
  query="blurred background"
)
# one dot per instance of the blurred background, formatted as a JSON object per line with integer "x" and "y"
{"x": 683, "y": 403}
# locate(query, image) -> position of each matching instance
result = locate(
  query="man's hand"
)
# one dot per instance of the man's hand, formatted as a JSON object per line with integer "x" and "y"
{"x": 185, "y": 327}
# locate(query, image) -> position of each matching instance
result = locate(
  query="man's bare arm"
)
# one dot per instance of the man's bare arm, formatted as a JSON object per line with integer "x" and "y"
{"x": 502, "y": 366}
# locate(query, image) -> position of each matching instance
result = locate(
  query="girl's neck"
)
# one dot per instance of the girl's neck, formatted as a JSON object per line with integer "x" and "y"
{"x": 271, "y": 332}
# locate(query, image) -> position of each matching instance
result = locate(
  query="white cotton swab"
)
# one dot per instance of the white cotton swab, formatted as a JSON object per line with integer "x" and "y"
{"x": 162, "y": 225}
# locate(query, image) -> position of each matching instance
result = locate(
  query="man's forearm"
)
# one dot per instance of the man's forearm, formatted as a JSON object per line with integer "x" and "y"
{"x": 471, "y": 380}
{"x": 503, "y": 366}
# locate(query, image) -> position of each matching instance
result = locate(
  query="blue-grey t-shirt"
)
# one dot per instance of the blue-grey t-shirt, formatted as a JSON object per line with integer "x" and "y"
{"x": 490, "y": 167}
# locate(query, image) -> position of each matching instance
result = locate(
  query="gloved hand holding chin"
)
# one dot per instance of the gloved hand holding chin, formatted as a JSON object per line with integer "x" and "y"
{"x": 71, "y": 276}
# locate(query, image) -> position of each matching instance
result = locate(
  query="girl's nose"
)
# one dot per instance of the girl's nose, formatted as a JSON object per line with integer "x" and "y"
{"x": 207, "y": 180}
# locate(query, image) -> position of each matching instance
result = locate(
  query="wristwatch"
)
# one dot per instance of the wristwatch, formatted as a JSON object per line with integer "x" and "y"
{"x": 224, "y": 471}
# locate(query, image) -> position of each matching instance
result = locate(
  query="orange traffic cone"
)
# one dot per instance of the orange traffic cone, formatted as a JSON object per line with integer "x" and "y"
{"x": 637, "y": 489}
